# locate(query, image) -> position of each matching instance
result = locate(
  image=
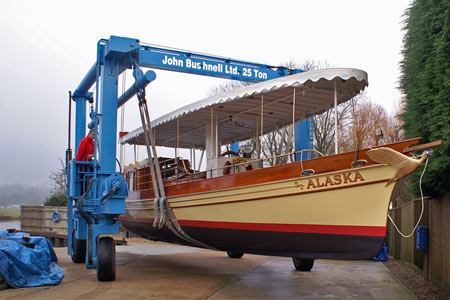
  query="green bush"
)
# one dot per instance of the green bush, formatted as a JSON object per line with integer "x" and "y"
{"x": 58, "y": 199}
{"x": 426, "y": 83}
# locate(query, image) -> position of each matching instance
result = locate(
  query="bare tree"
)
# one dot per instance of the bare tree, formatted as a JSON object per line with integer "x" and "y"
{"x": 281, "y": 141}
{"x": 323, "y": 124}
{"x": 368, "y": 125}
{"x": 394, "y": 131}
{"x": 59, "y": 185}
{"x": 226, "y": 86}
{"x": 308, "y": 64}
{"x": 58, "y": 179}
{"x": 324, "y": 131}
{"x": 276, "y": 143}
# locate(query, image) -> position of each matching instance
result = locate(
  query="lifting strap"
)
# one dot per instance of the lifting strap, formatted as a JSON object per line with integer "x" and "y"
{"x": 163, "y": 212}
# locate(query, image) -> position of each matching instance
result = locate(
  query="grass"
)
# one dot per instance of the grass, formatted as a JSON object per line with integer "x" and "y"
{"x": 10, "y": 213}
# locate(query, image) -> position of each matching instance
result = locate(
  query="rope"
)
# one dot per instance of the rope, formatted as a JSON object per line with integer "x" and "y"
{"x": 421, "y": 212}
{"x": 185, "y": 169}
{"x": 148, "y": 137}
{"x": 163, "y": 212}
{"x": 307, "y": 150}
{"x": 408, "y": 203}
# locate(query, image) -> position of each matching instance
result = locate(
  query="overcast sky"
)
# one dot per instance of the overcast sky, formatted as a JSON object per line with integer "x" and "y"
{"x": 48, "y": 46}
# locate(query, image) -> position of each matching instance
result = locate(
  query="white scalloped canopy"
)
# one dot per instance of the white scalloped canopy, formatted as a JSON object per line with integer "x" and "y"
{"x": 238, "y": 111}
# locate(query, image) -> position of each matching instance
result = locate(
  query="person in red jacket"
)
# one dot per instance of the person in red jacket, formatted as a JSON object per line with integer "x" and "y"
{"x": 86, "y": 148}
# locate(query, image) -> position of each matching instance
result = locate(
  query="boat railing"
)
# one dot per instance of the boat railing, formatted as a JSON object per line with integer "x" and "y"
{"x": 247, "y": 162}
{"x": 179, "y": 170}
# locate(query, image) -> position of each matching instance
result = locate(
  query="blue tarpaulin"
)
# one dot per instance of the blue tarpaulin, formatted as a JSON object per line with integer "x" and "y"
{"x": 383, "y": 255}
{"x": 22, "y": 266}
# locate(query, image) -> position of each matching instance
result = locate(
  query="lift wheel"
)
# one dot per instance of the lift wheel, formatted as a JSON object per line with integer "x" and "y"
{"x": 78, "y": 250}
{"x": 234, "y": 254}
{"x": 106, "y": 259}
{"x": 303, "y": 264}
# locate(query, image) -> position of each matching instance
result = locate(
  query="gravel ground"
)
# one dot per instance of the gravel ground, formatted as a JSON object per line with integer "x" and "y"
{"x": 414, "y": 281}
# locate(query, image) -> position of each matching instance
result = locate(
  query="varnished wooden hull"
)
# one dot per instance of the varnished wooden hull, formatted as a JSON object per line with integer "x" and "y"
{"x": 339, "y": 214}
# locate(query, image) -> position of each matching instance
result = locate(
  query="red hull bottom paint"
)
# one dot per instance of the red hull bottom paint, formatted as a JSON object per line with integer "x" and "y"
{"x": 318, "y": 241}
{"x": 299, "y": 228}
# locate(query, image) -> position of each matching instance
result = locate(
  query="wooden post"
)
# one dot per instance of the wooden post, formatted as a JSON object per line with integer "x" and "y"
{"x": 426, "y": 257}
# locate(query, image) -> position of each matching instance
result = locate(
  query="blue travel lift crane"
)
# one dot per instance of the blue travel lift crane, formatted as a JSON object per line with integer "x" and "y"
{"x": 96, "y": 192}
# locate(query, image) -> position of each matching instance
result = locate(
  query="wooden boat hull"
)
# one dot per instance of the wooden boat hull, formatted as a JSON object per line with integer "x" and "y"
{"x": 336, "y": 215}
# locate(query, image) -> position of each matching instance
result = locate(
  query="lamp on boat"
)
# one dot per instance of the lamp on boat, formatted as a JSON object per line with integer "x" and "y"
{"x": 237, "y": 122}
{"x": 379, "y": 132}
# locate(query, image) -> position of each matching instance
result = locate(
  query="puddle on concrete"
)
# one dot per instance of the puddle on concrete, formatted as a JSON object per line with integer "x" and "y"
{"x": 155, "y": 249}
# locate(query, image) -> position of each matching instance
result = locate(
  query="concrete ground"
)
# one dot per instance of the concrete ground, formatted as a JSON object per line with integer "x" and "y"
{"x": 161, "y": 271}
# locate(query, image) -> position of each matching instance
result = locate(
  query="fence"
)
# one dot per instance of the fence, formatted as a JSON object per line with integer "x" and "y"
{"x": 435, "y": 261}
{"x": 43, "y": 219}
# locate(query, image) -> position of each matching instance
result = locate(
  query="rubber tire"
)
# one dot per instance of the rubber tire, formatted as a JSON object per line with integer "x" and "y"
{"x": 234, "y": 254}
{"x": 303, "y": 264}
{"x": 106, "y": 259}
{"x": 78, "y": 250}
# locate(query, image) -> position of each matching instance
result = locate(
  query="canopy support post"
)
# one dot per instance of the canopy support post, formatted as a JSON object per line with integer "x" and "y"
{"x": 336, "y": 150}
{"x": 293, "y": 122}
{"x": 262, "y": 125}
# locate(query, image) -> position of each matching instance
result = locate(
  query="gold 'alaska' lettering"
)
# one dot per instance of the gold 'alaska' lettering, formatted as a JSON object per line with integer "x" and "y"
{"x": 318, "y": 183}
{"x": 337, "y": 179}
{"x": 347, "y": 177}
{"x": 328, "y": 181}
{"x": 358, "y": 176}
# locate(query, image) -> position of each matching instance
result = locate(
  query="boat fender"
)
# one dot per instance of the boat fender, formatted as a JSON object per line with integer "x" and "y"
{"x": 307, "y": 172}
{"x": 359, "y": 163}
{"x": 235, "y": 160}
{"x": 56, "y": 216}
